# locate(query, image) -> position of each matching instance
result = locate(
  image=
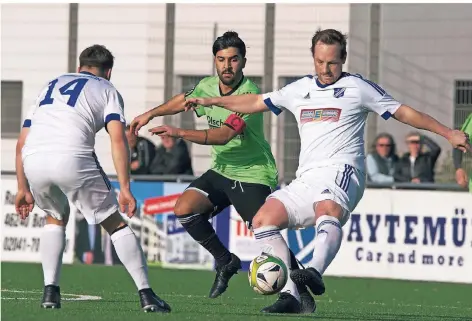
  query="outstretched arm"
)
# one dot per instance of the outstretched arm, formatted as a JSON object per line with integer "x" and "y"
{"x": 174, "y": 106}
{"x": 245, "y": 104}
{"x": 417, "y": 119}
{"x": 233, "y": 126}
{"x": 412, "y": 117}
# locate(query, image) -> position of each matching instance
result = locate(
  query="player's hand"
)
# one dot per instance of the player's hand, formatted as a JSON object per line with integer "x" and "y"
{"x": 166, "y": 130}
{"x": 193, "y": 103}
{"x": 139, "y": 121}
{"x": 460, "y": 140}
{"x": 24, "y": 203}
{"x": 127, "y": 202}
{"x": 461, "y": 177}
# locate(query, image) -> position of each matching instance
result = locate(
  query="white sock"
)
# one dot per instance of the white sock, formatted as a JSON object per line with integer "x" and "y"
{"x": 329, "y": 235}
{"x": 51, "y": 247}
{"x": 272, "y": 242}
{"x": 131, "y": 255}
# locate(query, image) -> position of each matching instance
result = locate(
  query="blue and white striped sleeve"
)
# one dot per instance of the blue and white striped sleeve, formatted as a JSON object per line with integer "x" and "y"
{"x": 376, "y": 99}
{"x": 114, "y": 109}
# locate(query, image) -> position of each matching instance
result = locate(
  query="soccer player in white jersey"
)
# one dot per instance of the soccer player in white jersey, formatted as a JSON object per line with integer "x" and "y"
{"x": 56, "y": 164}
{"x": 331, "y": 110}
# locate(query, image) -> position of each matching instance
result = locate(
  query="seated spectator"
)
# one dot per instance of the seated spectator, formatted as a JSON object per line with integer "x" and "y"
{"x": 417, "y": 166}
{"x": 172, "y": 158}
{"x": 142, "y": 152}
{"x": 381, "y": 161}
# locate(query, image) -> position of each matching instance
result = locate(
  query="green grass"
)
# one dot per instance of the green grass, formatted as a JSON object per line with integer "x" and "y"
{"x": 345, "y": 299}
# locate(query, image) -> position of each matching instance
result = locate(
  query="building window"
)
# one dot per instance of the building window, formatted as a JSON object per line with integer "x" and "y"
{"x": 12, "y": 102}
{"x": 187, "y": 120}
{"x": 257, "y": 80}
{"x": 290, "y": 140}
{"x": 463, "y": 101}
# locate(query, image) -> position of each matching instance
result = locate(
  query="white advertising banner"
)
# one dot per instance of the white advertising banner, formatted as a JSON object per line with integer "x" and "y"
{"x": 410, "y": 235}
{"x": 20, "y": 239}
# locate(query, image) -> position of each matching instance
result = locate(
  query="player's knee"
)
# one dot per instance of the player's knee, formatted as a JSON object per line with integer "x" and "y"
{"x": 113, "y": 222}
{"x": 55, "y": 221}
{"x": 272, "y": 213}
{"x": 330, "y": 208}
{"x": 192, "y": 202}
{"x": 182, "y": 208}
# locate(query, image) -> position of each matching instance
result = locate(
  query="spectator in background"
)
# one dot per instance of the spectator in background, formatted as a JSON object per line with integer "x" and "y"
{"x": 142, "y": 152}
{"x": 417, "y": 166}
{"x": 381, "y": 161}
{"x": 172, "y": 158}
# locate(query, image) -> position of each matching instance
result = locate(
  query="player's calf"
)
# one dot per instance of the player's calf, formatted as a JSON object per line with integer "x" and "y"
{"x": 131, "y": 255}
{"x": 327, "y": 243}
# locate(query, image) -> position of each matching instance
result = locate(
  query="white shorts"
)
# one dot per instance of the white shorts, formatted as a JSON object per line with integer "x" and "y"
{"x": 57, "y": 179}
{"x": 342, "y": 184}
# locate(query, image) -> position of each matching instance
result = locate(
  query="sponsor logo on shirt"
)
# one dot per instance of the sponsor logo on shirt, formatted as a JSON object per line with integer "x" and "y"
{"x": 217, "y": 123}
{"x": 321, "y": 114}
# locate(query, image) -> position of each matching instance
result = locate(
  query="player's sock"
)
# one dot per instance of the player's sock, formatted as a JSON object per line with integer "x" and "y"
{"x": 51, "y": 247}
{"x": 201, "y": 230}
{"x": 131, "y": 255}
{"x": 272, "y": 242}
{"x": 329, "y": 235}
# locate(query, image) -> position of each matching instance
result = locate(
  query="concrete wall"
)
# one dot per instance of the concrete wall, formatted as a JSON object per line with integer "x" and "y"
{"x": 424, "y": 49}
{"x": 135, "y": 35}
{"x": 34, "y": 50}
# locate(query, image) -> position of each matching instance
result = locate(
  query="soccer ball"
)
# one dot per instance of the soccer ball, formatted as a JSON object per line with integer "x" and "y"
{"x": 267, "y": 274}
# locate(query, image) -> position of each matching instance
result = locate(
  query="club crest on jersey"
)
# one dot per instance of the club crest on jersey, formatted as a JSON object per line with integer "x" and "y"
{"x": 321, "y": 114}
{"x": 339, "y": 92}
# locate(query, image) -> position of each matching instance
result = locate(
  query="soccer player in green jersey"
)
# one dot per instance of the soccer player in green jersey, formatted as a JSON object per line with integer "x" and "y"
{"x": 461, "y": 175}
{"x": 243, "y": 171}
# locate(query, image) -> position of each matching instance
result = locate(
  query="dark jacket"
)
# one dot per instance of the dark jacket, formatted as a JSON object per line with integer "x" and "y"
{"x": 173, "y": 162}
{"x": 423, "y": 166}
{"x": 144, "y": 152}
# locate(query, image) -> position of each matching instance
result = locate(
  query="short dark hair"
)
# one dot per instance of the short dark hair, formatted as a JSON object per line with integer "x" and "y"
{"x": 227, "y": 40}
{"x": 96, "y": 56}
{"x": 330, "y": 37}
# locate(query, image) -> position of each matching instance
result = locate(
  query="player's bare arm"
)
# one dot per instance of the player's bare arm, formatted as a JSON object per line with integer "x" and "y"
{"x": 245, "y": 104}
{"x": 174, "y": 106}
{"x": 24, "y": 201}
{"x": 212, "y": 136}
{"x": 412, "y": 117}
{"x": 121, "y": 160}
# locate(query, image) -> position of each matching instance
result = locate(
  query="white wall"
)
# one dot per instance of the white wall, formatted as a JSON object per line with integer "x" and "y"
{"x": 424, "y": 49}
{"x": 34, "y": 50}
{"x": 135, "y": 34}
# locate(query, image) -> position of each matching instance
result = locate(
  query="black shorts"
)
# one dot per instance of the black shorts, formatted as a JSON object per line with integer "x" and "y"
{"x": 247, "y": 198}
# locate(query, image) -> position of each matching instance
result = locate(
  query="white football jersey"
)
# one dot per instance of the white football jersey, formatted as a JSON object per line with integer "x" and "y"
{"x": 331, "y": 118}
{"x": 69, "y": 112}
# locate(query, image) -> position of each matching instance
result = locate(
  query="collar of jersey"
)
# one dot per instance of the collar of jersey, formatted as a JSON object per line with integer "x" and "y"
{"x": 87, "y": 73}
{"x": 232, "y": 90}
{"x": 324, "y": 86}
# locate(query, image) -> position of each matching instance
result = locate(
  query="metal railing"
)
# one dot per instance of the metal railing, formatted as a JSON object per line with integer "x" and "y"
{"x": 189, "y": 178}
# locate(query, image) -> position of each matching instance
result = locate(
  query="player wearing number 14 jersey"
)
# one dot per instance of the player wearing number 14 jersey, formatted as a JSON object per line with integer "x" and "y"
{"x": 56, "y": 164}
